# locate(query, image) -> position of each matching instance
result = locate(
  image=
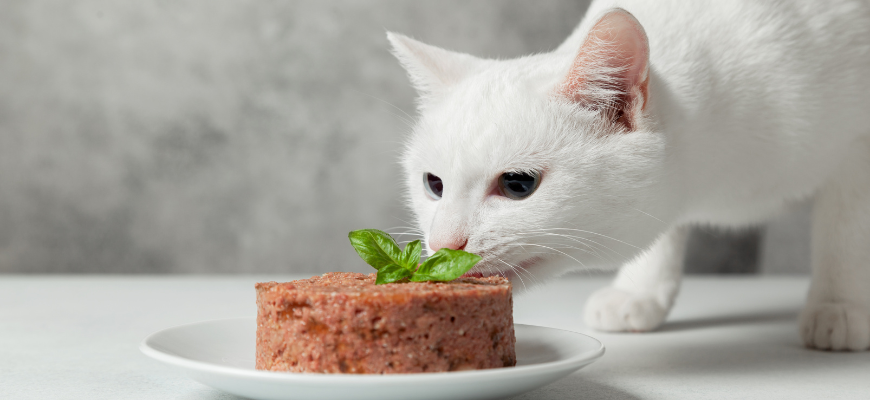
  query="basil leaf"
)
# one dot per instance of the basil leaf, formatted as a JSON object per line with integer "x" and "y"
{"x": 379, "y": 250}
{"x": 392, "y": 273}
{"x": 445, "y": 265}
{"x": 410, "y": 257}
{"x": 376, "y": 247}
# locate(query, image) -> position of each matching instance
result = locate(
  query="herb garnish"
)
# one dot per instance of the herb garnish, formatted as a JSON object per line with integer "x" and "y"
{"x": 379, "y": 250}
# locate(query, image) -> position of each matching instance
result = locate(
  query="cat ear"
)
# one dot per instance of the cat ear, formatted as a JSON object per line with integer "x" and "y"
{"x": 432, "y": 69}
{"x": 610, "y": 71}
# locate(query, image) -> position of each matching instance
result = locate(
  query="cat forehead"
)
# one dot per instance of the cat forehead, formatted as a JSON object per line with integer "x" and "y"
{"x": 475, "y": 124}
{"x": 486, "y": 138}
{"x": 506, "y": 115}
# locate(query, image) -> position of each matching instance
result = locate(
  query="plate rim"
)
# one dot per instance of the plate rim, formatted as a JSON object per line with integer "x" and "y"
{"x": 575, "y": 362}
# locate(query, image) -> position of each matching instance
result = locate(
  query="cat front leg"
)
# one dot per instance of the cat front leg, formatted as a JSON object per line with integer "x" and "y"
{"x": 643, "y": 292}
{"x": 837, "y": 313}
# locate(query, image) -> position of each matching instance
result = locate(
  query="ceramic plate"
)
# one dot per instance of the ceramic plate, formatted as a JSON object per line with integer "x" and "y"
{"x": 221, "y": 354}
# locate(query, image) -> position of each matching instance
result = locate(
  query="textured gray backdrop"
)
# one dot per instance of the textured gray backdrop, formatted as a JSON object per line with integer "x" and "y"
{"x": 226, "y": 136}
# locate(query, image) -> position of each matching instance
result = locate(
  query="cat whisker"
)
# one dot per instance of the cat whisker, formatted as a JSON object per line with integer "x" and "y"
{"x": 409, "y": 121}
{"x": 403, "y": 233}
{"x": 558, "y": 251}
{"x": 592, "y": 233}
{"x": 410, "y": 228}
{"x": 649, "y": 215}
{"x": 576, "y": 239}
{"x": 489, "y": 270}
{"x": 519, "y": 269}
{"x": 531, "y": 276}
{"x": 580, "y": 240}
{"x": 563, "y": 246}
{"x": 405, "y": 221}
{"x": 513, "y": 268}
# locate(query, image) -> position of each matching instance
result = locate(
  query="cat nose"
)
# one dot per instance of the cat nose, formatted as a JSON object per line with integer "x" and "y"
{"x": 452, "y": 243}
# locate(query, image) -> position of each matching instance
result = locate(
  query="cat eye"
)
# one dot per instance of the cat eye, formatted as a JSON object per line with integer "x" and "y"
{"x": 434, "y": 186}
{"x": 519, "y": 185}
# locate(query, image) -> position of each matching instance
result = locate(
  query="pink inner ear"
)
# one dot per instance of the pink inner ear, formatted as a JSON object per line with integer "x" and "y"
{"x": 612, "y": 63}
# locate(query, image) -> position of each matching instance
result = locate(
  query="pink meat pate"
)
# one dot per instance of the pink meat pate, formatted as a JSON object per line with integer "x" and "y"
{"x": 344, "y": 323}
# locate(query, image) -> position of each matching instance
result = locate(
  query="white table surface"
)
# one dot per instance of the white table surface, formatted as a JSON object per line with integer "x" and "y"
{"x": 76, "y": 337}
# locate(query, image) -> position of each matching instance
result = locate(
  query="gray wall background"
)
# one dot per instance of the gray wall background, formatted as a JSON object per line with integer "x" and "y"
{"x": 226, "y": 136}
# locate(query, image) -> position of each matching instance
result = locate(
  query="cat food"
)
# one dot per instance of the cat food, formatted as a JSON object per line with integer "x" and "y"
{"x": 344, "y": 323}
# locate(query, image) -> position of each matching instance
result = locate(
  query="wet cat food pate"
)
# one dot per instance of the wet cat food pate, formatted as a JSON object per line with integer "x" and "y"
{"x": 344, "y": 323}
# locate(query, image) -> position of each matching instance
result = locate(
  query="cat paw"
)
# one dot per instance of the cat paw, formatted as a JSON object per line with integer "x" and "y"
{"x": 835, "y": 326}
{"x": 616, "y": 310}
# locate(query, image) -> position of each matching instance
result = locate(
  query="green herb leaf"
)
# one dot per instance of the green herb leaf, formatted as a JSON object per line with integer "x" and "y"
{"x": 380, "y": 250}
{"x": 392, "y": 273}
{"x": 445, "y": 265}
{"x": 410, "y": 257}
{"x": 376, "y": 247}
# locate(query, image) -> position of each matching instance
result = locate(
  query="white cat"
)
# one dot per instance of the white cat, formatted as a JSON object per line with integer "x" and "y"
{"x": 654, "y": 115}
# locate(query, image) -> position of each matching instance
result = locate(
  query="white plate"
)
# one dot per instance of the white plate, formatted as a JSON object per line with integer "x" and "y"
{"x": 221, "y": 354}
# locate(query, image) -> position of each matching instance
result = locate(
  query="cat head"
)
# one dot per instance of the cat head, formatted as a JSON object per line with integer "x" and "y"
{"x": 539, "y": 163}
